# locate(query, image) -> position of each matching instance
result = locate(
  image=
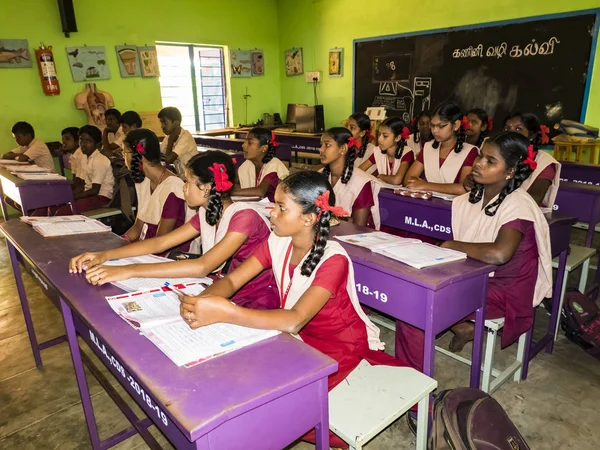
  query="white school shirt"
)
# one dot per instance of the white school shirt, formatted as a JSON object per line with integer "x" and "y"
{"x": 75, "y": 161}
{"x": 38, "y": 152}
{"x": 96, "y": 169}
{"x": 185, "y": 147}
{"x": 117, "y": 137}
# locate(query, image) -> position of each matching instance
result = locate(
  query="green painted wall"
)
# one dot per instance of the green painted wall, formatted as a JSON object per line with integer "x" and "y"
{"x": 112, "y": 22}
{"x": 320, "y": 25}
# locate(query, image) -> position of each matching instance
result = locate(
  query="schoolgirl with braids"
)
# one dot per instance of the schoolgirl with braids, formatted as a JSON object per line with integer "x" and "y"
{"x": 480, "y": 125}
{"x": 359, "y": 125}
{"x": 230, "y": 233}
{"x": 395, "y": 157}
{"x": 422, "y": 132}
{"x": 314, "y": 277}
{"x": 445, "y": 162}
{"x": 543, "y": 183}
{"x": 497, "y": 223}
{"x": 355, "y": 191}
{"x": 259, "y": 175}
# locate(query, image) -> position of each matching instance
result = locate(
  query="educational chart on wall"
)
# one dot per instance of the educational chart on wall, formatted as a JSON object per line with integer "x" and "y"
{"x": 539, "y": 66}
{"x": 129, "y": 61}
{"x": 241, "y": 64}
{"x": 88, "y": 63}
{"x": 149, "y": 61}
{"x": 14, "y": 53}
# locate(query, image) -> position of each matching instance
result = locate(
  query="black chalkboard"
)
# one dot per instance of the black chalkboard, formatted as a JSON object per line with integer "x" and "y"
{"x": 539, "y": 66}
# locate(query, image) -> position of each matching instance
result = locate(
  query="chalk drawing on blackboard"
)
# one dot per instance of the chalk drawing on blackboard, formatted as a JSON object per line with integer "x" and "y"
{"x": 421, "y": 94}
{"x": 391, "y": 67}
{"x": 554, "y": 111}
{"x": 396, "y": 98}
{"x": 477, "y": 89}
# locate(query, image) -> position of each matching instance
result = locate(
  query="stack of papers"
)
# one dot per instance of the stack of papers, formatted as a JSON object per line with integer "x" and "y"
{"x": 12, "y": 162}
{"x": 156, "y": 314}
{"x": 28, "y": 168}
{"x": 448, "y": 197}
{"x": 65, "y": 225}
{"x": 413, "y": 252}
{"x": 40, "y": 176}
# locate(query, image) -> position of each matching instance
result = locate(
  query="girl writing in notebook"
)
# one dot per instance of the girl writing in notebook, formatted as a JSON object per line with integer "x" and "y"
{"x": 359, "y": 125}
{"x": 230, "y": 233}
{"x": 161, "y": 204}
{"x": 500, "y": 224}
{"x": 422, "y": 134}
{"x": 480, "y": 125}
{"x": 314, "y": 277}
{"x": 445, "y": 162}
{"x": 259, "y": 175}
{"x": 395, "y": 156}
{"x": 355, "y": 191}
{"x": 543, "y": 183}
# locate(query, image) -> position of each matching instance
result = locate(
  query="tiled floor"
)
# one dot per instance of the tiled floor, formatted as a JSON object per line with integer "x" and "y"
{"x": 557, "y": 407}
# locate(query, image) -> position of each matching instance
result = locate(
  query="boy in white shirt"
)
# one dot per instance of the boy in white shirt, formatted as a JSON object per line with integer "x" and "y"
{"x": 112, "y": 136}
{"x": 31, "y": 150}
{"x": 70, "y": 146}
{"x": 179, "y": 145}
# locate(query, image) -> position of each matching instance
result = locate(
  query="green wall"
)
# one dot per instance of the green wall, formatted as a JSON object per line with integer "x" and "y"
{"x": 320, "y": 25}
{"x": 112, "y": 22}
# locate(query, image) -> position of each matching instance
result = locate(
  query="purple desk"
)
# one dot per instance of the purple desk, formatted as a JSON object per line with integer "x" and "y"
{"x": 580, "y": 173}
{"x": 299, "y": 142}
{"x": 431, "y": 299}
{"x": 263, "y": 396}
{"x": 282, "y": 151}
{"x": 582, "y": 201}
{"x": 33, "y": 194}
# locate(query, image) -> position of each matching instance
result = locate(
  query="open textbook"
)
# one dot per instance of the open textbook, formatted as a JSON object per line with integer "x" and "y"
{"x": 65, "y": 225}
{"x": 413, "y": 252}
{"x": 399, "y": 187}
{"x": 156, "y": 314}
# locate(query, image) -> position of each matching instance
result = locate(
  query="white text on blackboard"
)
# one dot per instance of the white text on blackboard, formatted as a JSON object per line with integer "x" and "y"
{"x": 499, "y": 51}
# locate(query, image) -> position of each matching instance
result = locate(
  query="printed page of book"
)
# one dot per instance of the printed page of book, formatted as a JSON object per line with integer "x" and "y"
{"x": 47, "y": 229}
{"x": 376, "y": 239}
{"x": 40, "y": 176}
{"x": 28, "y": 168}
{"x": 420, "y": 255}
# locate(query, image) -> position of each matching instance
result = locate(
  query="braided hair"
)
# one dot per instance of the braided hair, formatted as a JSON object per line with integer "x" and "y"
{"x": 146, "y": 140}
{"x": 514, "y": 150}
{"x": 342, "y": 136}
{"x": 417, "y": 134}
{"x": 305, "y": 187}
{"x": 264, "y": 138}
{"x": 364, "y": 124}
{"x": 396, "y": 125}
{"x": 451, "y": 112}
{"x": 534, "y": 128}
{"x": 483, "y": 116}
{"x": 199, "y": 167}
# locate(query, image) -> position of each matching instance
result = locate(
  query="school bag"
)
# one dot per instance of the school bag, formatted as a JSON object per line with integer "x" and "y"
{"x": 581, "y": 321}
{"x": 470, "y": 419}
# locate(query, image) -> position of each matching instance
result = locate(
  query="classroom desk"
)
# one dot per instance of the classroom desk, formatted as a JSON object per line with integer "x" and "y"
{"x": 432, "y": 299}
{"x": 262, "y": 396}
{"x": 582, "y": 201}
{"x": 32, "y": 194}
{"x": 580, "y": 173}
{"x": 433, "y": 218}
{"x": 282, "y": 151}
{"x": 299, "y": 142}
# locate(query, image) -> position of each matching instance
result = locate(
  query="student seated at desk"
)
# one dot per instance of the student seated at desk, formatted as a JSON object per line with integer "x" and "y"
{"x": 230, "y": 233}
{"x": 70, "y": 146}
{"x": 314, "y": 277}
{"x": 179, "y": 145}
{"x": 422, "y": 133}
{"x": 500, "y": 224}
{"x": 355, "y": 191}
{"x": 130, "y": 120}
{"x": 359, "y": 125}
{"x": 161, "y": 204}
{"x": 31, "y": 150}
{"x": 112, "y": 136}
{"x": 259, "y": 175}
{"x": 445, "y": 162}
{"x": 394, "y": 157}
{"x": 480, "y": 125}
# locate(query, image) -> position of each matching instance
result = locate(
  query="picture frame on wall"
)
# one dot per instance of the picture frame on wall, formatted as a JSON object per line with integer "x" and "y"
{"x": 241, "y": 65}
{"x": 294, "y": 64}
{"x": 336, "y": 62}
{"x": 14, "y": 54}
{"x": 129, "y": 61}
{"x": 88, "y": 63}
{"x": 258, "y": 63}
{"x": 149, "y": 61}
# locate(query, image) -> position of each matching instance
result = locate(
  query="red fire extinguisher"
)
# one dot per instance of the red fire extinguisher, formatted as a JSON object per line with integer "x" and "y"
{"x": 47, "y": 69}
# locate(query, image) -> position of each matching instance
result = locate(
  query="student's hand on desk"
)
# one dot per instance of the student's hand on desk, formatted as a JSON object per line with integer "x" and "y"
{"x": 99, "y": 275}
{"x": 416, "y": 183}
{"x": 87, "y": 260}
{"x": 199, "y": 311}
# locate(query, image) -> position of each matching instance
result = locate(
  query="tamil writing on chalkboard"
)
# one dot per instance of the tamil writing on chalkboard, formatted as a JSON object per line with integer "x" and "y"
{"x": 499, "y": 51}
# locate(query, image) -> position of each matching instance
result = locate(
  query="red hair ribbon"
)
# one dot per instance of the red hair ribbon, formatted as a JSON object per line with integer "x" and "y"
{"x": 140, "y": 147}
{"x": 233, "y": 160}
{"x": 322, "y": 202}
{"x": 465, "y": 123}
{"x": 354, "y": 143}
{"x": 405, "y": 133}
{"x": 368, "y": 134}
{"x": 530, "y": 160}
{"x": 490, "y": 124}
{"x": 545, "y": 130}
{"x": 222, "y": 182}
{"x": 413, "y": 122}
{"x": 273, "y": 142}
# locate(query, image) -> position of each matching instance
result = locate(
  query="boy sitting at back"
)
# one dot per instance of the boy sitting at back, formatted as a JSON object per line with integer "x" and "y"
{"x": 130, "y": 120}
{"x": 112, "y": 136}
{"x": 70, "y": 146}
{"x": 31, "y": 150}
{"x": 179, "y": 145}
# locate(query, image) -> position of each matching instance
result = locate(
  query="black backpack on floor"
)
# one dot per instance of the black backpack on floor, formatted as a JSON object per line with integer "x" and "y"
{"x": 581, "y": 321}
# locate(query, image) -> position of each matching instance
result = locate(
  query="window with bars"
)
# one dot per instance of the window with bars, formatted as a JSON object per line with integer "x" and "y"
{"x": 192, "y": 78}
